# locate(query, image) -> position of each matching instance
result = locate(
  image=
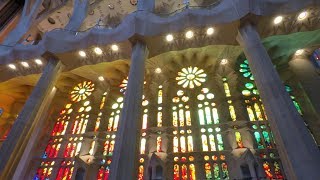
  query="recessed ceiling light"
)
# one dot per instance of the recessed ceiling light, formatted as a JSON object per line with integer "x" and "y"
{"x": 189, "y": 34}
{"x": 299, "y": 52}
{"x": 210, "y": 31}
{"x": 82, "y": 54}
{"x": 115, "y": 47}
{"x": 224, "y": 61}
{"x": 101, "y": 78}
{"x": 302, "y": 15}
{"x": 12, "y": 66}
{"x": 158, "y": 70}
{"x": 169, "y": 37}
{"x": 38, "y": 61}
{"x": 278, "y": 20}
{"x": 98, "y": 51}
{"x": 25, "y": 64}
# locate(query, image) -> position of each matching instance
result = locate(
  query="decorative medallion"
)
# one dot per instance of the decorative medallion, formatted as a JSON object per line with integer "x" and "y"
{"x": 82, "y": 91}
{"x": 191, "y": 77}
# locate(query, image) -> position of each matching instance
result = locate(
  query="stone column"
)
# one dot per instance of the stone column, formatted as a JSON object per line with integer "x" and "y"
{"x": 24, "y": 162}
{"x": 298, "y": 151}
{"x": 13, "y": 147}
{"x": 124, "y": 156}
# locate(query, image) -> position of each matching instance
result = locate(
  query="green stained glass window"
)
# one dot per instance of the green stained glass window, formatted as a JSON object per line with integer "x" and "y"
{"x": 247, "y": 74}
{"x": 259, "y": 140}
{"x": 249, "y": 85}
{"x": 267, "y": 139}
{"x": 216, "y": 171}
{"x": 220, "y": 142}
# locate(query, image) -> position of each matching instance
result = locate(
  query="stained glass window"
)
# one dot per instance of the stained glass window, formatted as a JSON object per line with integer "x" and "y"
{"x": 82, "y": 91}
{"x": 191, "y": 77}
{"x": 228, "y": 95}
{"x": 239, "y": 140}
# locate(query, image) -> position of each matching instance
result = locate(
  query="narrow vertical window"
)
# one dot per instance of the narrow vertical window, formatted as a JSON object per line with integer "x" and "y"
{"x": 140, "y": 173}
{"x": 143, "y": 146}
{"x": 267, "y": 170}
{"x": 175, "y": 144}
{"x": 91, "y": 151}
{"x": 225, "y": 173}
{"x": 216, "y": 171}
{"x": 201, "y": 116}
{"x": 184, "y": 175}
{"x": 267, "y": 139}
{"x": 259, "y": 140}
{"x": 145, "y": 120}
{"x": 250, "y": 113}
{"x": 175, "y": 118}
{"x": 239, "y": 140}
{"x": 207, "y": 168}
{"x": 192, "y": 172}
{"x": 220, "y": 142}
{"x": 212, "y": 143}
{"x": 204, "y": 143}
{"x": 190, "y": 144}
{"x": 159, "y": 144}
{"x": 176, "y": 175}
{"x": 183, "y": 144}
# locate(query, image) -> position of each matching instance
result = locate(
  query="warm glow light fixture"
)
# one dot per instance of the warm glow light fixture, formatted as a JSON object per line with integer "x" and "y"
{"x": 25, "y": 64}
{"x": 98, "y": 51}
{"x": 12, "y": 66}
{"x": 224, "y": 61}
{"x": 115, "y": 47}
{"x": 38, "y": 61}
{"x": 299, "y": 52}
{"x": 278, "y": 20}
{"x": 189, "y": 34}
{"x": 169, "y": 37}
{"x": 101, "y": 78}
{"x": 303, "y": 15}
{"x": 210, "y": 31}
{"x": 158, "y": 70}
{"x": 82, "y": 54}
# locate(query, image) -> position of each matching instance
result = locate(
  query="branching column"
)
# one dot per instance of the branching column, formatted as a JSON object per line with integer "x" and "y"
{"x": 124, "y": 156}
{"x": 13, "y": 147}
{"x": 298, "y": 151}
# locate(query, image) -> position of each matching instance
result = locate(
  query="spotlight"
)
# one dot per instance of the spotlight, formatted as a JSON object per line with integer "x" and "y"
{"x": 115, "y": 47}
{"x": 82, "y": 54}
{"x": 224, "y": 61}
{"x": 101, "y": 78}
{"x": 189, "y": 34}
{"x": 38, "y": 61}
{"x": 158, "y": 70}
{"x": 278, "y": 20}
{"x": 299, "y": 52}
{"x": 210, "y": 31}
{"x": 12, "y": 66}
{"x": 25, "y": 64}
{"x": 169, "y": 37}
{"x": 302, "y": 15}
{"x": 98, "y": 51}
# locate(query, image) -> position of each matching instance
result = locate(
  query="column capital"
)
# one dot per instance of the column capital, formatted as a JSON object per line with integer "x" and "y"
{"x": 249, "y": 19}
{"x": 49, "y": 56}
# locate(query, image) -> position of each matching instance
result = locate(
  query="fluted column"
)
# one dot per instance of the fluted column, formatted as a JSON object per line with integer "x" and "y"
{"x": 13, "y": 147}
{"x": 124, "y": 157}
{"x": 298, "y": 151}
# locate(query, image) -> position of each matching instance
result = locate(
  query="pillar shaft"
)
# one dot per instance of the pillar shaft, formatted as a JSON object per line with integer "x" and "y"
{"x": 298, "y": 151}
{"x": 12, "y": 149}
{"x": 124, "y": 156}
{"x": 28, "y": 152}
